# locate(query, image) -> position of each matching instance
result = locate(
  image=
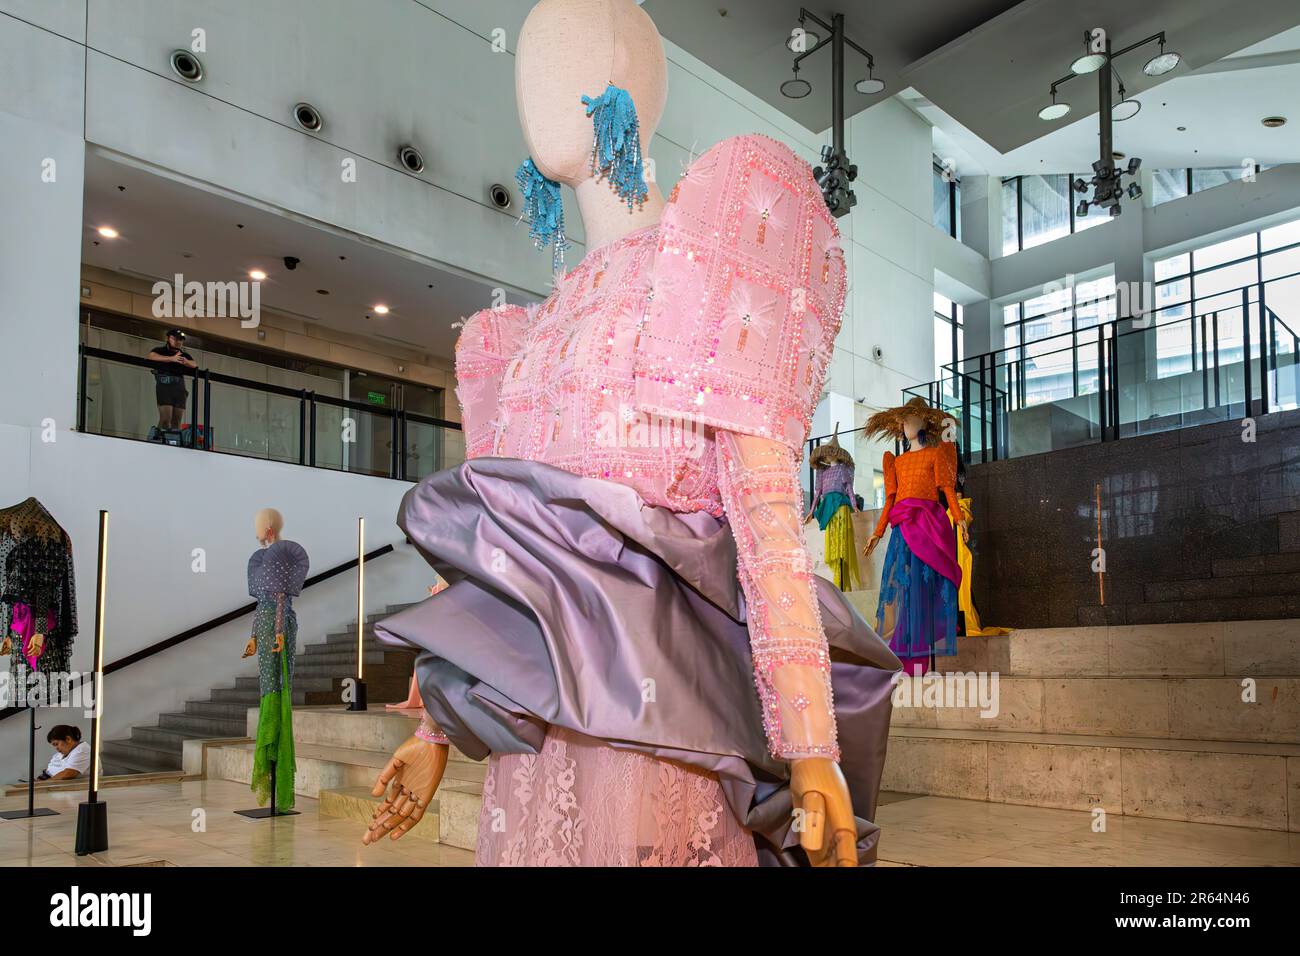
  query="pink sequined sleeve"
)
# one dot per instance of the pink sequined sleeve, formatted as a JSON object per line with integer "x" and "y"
{"x": 483, "y": 354}
{"x": 759, "y": 480}
{"x": 749, "y": 286}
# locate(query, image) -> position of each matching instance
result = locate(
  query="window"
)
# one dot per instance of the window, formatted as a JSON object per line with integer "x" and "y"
{"x": 1038, "y": 209}
{"x": 947, "y": 199}
{"x": 1211, "y": 281}
{"x": 1051, "y": 333}
{"x": 949, "y": 341}
{"x": 1169, "y": 184}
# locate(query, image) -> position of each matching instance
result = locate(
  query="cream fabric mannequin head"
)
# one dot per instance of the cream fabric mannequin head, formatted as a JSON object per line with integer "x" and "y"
{"x": 571, "y": 48}
{"x": 267, "y": 525}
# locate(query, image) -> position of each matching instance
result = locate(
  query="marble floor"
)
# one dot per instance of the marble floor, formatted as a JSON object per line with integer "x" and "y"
{"x": 192, "y": 824}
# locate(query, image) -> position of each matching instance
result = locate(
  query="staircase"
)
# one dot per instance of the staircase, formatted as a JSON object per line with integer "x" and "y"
{"x": 319, "y": 672}
{"x": 339, "y": 753}
{"x": 1139, "y": 720}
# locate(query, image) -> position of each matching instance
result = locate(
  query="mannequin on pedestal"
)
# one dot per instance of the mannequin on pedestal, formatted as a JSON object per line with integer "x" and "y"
{"x": 276, "y": 572}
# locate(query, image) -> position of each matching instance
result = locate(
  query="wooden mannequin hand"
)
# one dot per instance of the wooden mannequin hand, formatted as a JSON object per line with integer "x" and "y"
{"x": 414, "y": 771}
{"x": 965, "y": 531}
{"x": 35, "y": 644}
{"x": 250, "y": 648}
{"x": 871, "y": 545}
{"x": 823, "y": 812}
{"x": 6, "y": 647}
{"x": 279, "y": 644}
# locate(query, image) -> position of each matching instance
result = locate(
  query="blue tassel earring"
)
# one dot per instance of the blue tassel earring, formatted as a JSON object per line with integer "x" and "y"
{"x": 616, "y": 155}
{"x": 544, "y": 208}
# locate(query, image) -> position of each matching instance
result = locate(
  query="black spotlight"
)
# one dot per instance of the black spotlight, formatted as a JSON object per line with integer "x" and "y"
{"x": 187, "y": 66}
{"x": 308, "y": 117}
{"x": 410, "y": 159}
{"x": 500, "y": 196}
{"x": 291, "y": 262}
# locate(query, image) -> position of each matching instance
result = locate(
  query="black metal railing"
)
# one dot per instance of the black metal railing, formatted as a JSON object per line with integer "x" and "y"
{"x": 1246, "y": 356}
{"x": 391, "y": 432}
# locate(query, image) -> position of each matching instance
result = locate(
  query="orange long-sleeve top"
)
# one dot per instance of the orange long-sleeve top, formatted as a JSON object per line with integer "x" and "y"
{"x": 921, "y": 473}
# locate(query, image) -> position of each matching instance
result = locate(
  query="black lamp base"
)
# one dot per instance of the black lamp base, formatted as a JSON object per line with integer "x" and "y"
{"x": 92, "y": 827}
{"x": 261, "y": 813}
{"x": 25, "y": 814}
{"x": 358, "y": 701}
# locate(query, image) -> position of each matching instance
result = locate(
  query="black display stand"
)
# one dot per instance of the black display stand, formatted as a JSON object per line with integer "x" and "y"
{"x": 32, "y": 809}
{"x": 92, "y": 816}
{"x": 358, "y": 701}
{"x": 261, "y": 813}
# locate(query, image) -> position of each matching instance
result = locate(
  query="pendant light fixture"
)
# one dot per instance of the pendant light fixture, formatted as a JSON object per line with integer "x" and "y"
{"x": 1162, "y": 62}
{"x": 1054, "y": 110}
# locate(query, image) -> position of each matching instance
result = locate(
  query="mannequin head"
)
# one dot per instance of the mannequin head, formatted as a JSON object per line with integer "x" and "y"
{"x": 913, "y": 425}
{"x": 568, "y": 48}
{"x": 267, "y": 524}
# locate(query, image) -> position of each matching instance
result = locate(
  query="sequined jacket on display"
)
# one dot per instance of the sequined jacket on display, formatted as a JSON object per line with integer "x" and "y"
{"x": 684, "y": 360}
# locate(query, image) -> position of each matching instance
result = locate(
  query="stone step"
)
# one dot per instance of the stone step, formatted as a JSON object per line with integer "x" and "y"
{"x": 127, "y": 756}
{"x": 204, "y": 726}
{"x": 374, "y": 730}
{"x": 1188, "y": 708}
{"x": 1226, "y": 783}
{"x": 164, "y": 738}
{"x": 452, "y": 817}
{"x": 346, "y": 658}
{"x": 217, "y": 709}
{"x": 356, "y": 804}
{"x": 1212, "y": 649}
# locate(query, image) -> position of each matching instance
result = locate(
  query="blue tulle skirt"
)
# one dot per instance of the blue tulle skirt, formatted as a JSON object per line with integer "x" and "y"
{"x": 917, "y": 613}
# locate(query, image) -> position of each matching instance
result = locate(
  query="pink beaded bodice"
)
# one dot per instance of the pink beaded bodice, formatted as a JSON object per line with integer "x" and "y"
{"x": 684, "y": 360}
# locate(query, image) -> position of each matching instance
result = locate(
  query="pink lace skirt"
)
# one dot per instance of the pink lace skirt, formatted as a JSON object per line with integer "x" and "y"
{"x": 581, "y": 802}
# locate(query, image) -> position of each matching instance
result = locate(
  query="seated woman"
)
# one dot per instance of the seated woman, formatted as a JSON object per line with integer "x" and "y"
{"x": 72, "y": 755}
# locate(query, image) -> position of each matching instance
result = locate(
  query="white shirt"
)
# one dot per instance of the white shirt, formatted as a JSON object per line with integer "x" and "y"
{"x": 78, "y": 759}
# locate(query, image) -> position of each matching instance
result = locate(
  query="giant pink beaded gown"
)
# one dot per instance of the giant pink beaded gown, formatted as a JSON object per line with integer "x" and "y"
{"x": 681, "y": 362}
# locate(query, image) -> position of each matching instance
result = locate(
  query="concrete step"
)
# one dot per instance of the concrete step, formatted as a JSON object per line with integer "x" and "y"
{"x": 1247, "y": 784}
{"x": 1189, "y": 708}
{"x": 1213, "y": 649}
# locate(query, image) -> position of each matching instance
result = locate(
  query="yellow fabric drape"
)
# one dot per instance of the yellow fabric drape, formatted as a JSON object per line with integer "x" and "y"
{"x": 965, "y": 603}
{"x": 841, "y": 555}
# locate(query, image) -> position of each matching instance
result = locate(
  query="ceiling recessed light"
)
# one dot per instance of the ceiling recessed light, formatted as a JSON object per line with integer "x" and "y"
{"x": 381, "y": 310}
{"x": 1273, "y": 122}
{"x": 1161, "y": 63}
{"x": 1182, "y": 129}
{"x": 257, "y": 275}
{"x": 322, "y": 291}
{"x": 1088, "y": 63}
{"x": 108, "y": 232}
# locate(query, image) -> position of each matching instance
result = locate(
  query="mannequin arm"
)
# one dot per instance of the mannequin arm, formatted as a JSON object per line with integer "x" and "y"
{"x": 759, "y": 481}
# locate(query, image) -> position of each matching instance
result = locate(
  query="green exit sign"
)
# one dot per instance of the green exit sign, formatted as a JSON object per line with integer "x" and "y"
{"x": 376, "y": 398}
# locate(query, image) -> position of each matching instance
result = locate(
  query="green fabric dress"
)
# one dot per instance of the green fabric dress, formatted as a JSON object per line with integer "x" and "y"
{"x": 275, "y": 576}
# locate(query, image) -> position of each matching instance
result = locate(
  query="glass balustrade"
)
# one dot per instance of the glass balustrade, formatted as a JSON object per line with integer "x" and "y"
{"x": 240, "y": 416}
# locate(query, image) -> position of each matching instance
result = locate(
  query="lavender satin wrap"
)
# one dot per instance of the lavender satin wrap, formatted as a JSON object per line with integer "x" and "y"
{"x": 928, "y": 532}
{"x": 568, "y": 594}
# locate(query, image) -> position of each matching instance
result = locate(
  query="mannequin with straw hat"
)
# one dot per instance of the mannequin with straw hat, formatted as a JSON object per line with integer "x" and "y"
{"x": 919, "y": 583}
{"x": 833, "y": 504}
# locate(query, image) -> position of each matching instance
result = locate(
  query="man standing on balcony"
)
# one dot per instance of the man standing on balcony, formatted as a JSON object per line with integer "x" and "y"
{"x": 169, "y": 382}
